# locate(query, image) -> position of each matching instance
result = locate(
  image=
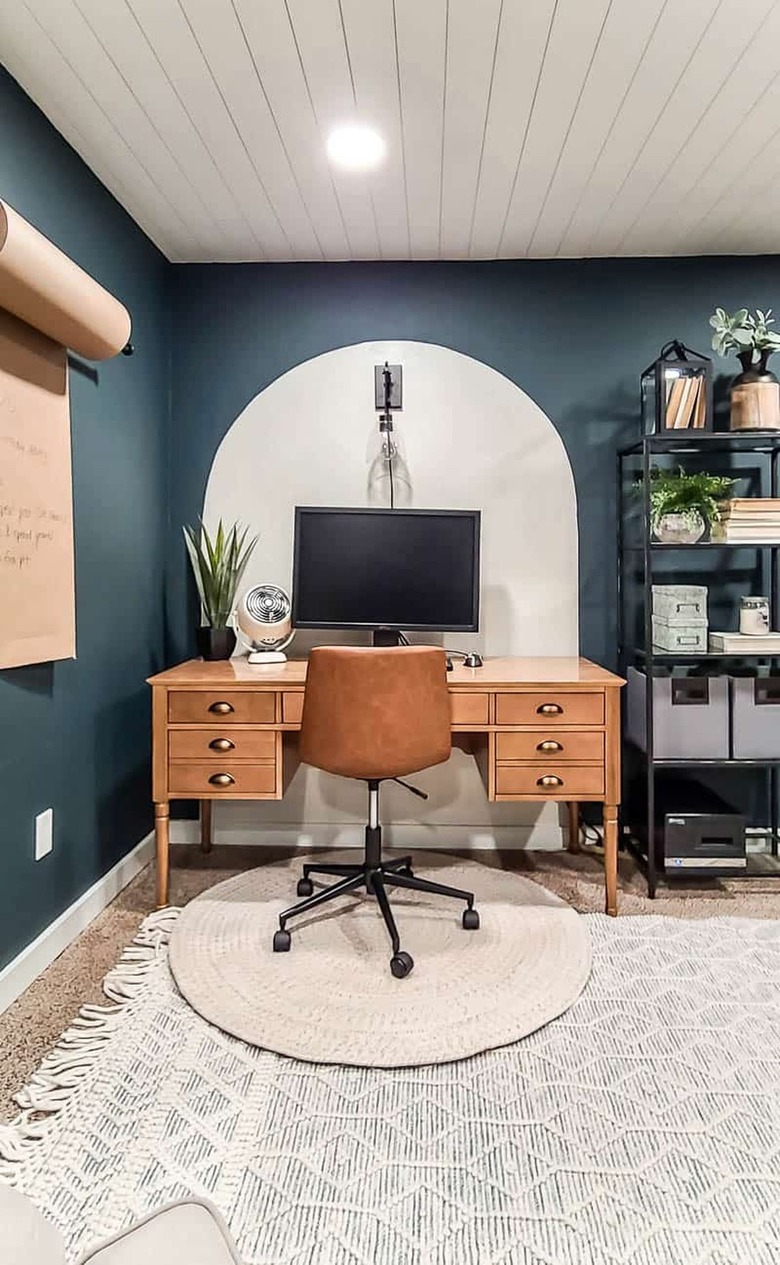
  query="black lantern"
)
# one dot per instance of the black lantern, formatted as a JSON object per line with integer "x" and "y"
{"x": 677, "y": 391}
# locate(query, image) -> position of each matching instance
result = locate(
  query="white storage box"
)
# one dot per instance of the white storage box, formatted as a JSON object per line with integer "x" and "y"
{"x": 680, "y": 603}
{"x": 688, "y": 638}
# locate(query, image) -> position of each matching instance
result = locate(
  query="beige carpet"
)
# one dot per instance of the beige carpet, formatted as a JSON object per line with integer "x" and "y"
{"x": 332, "y": 997}
{"x": 33, "y": 1024}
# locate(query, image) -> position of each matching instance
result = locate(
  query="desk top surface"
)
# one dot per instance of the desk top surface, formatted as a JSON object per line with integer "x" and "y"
{"x": 496, "y": 673}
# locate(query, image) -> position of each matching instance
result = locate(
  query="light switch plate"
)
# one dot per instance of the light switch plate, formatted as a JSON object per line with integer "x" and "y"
{"x": 44, "y": 834}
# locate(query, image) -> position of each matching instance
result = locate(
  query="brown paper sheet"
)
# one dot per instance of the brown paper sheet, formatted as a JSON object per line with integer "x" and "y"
{"x": 50, "y": 292}
{"x": 37, "y": 596}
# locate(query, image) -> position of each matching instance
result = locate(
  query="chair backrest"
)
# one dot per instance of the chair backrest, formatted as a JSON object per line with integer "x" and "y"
{"x": 375, "y": 713}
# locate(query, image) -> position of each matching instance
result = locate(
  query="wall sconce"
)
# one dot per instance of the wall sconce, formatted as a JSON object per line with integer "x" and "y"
{"x": 388, "y": 398}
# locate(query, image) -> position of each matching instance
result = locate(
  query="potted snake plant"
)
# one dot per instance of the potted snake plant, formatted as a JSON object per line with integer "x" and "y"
{"x": 218, "y": 564}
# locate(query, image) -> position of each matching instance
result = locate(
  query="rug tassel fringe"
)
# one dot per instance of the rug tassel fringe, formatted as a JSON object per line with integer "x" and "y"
{"x": 65, "y": 1068}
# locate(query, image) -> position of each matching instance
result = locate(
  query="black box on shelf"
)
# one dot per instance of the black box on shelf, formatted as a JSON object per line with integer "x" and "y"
{"x": 697, "y": 833}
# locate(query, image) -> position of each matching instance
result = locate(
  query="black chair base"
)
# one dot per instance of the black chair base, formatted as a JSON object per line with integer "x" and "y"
{"x": 375, "y": 875}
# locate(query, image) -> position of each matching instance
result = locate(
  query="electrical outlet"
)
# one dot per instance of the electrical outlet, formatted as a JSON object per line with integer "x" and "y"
{"x": 44, "y": 834}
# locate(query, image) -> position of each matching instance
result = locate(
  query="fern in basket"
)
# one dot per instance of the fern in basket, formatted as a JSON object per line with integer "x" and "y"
{"x": 681, "y": 492}
{"x": 218, "y": 566}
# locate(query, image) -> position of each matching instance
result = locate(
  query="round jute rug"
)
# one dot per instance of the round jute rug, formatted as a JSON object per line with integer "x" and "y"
{"x": 332, "y": 998}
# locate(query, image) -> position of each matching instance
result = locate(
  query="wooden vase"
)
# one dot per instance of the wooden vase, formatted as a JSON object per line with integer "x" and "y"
{"x": 755, "y": 396}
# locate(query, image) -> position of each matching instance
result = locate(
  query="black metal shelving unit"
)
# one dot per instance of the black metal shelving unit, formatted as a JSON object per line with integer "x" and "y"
{"x": 712, "y": 560}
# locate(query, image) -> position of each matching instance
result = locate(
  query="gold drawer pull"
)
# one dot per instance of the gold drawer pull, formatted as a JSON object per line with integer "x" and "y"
{"x": 549, "y": 746}
{"x": 221, "y": 744}
{"x": 549, "y": 780}
{"x": 221, "y": 709}
{"x": 221, "y": 779}
{"x": 549, "y": 709}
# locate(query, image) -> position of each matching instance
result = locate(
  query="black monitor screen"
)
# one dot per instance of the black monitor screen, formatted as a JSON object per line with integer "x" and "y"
{"x": 376, "y": 568}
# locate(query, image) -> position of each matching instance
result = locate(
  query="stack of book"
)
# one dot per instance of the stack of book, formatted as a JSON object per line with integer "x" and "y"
{"x": 740, "y": 643}
{"x": 746, "y": 519}
{"x": 686, "y": 403}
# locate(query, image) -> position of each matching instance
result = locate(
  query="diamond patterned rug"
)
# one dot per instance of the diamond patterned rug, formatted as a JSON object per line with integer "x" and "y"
{"x": 642, "y": 1127}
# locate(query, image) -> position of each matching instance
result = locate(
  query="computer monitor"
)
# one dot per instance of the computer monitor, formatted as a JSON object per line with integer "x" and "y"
{"x": 386, "y": 570}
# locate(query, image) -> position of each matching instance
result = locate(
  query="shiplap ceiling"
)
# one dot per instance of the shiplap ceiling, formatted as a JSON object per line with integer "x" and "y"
{"x": 513, "y": 127}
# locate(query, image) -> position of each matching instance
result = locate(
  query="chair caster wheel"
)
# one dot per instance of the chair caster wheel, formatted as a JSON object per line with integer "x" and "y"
{"x": 401, "y": 964}
{"x": 305, "y": 887}
{"x": 470, "y": 920}
{"x": 282, "y": 941}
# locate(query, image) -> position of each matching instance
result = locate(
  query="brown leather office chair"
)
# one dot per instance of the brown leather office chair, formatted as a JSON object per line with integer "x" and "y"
{"x": 375, "y": 714}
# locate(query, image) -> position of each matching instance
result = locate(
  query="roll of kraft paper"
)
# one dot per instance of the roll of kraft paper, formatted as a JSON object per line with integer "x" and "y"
{"x": 39, "y": 284}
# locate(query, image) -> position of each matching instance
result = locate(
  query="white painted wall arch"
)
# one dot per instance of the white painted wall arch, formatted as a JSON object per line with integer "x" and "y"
{"x": 469, "y": 439}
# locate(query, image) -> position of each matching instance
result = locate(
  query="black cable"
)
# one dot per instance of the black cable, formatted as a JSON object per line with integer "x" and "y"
{"x": 392, "y": 482}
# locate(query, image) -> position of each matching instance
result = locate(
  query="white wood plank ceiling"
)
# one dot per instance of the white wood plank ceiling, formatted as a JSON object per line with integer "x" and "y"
{"x": 513, "y": 127}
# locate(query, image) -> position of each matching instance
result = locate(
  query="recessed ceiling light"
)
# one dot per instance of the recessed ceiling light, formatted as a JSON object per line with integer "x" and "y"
{"x": 355, "y": 148}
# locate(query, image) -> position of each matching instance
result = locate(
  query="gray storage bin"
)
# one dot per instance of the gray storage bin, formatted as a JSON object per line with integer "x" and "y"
{"x": 690, "y": 715}
{"x": 690, "y": 638}
{"x": 680, "y": 603}
{"x": 755, "y": 717}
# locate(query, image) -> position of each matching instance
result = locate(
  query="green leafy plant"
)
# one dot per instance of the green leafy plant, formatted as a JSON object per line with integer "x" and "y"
{"x": 218, "y": 566}
{"x": 745, "y": 333}
{"x": 679, "y": 492}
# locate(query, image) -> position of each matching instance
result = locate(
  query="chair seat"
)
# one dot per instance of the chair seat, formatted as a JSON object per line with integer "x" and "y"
{"x": 188, "y": 1233}
{"x": 26, "y": 1236}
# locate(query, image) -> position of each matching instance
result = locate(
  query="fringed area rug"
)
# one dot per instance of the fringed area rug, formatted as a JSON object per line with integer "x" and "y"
{"x": 642, "y": 1127}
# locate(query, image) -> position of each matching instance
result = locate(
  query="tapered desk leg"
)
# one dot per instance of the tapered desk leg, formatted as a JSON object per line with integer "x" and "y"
{"x": 611, "y": 857}
{"x": 206, "y": 824}
{"x": 162, "y": 840}
{"x": 574, "y": 826}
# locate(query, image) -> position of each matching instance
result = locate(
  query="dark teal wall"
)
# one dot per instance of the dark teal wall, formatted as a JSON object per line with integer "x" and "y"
{"x": 75, "y": 736}
{"x": 573, "y": 334}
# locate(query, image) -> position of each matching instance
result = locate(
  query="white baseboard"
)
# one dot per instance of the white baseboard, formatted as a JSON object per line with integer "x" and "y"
{"x": 330, "y": 835}
{"x": 28, "y": 965}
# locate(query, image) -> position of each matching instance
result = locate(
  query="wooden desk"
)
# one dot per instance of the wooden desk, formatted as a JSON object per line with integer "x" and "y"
{"x": 539, "y": 729}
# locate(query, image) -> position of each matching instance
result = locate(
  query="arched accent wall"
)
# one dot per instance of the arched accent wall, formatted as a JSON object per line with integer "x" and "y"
{"x": 470, "y": 439}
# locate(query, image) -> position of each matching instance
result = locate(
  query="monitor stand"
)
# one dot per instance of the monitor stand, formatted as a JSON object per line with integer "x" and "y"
{"x": 386, "y": 637}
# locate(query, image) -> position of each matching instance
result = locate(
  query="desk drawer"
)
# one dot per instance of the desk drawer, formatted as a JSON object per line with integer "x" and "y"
{"x": 228, "y": 707}
{"x": 469, "y": 708}
{"x": 571, "y": 781}
{"x": 561, "y": 747}
{"x": 216, "y": 745}
{"x": 292, "y": 707}
{"x": 195, "y": 778}
{"x": 550, "y": 708}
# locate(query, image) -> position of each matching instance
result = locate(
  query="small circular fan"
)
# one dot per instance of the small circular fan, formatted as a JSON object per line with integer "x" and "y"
{"x": 263, "y": 623}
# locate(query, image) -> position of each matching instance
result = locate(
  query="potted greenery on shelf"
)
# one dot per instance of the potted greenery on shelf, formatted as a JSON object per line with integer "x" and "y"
{"x": 755, "y": 393}
{"x": 683, "y": 506}
{"x": 218, "y": 566}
